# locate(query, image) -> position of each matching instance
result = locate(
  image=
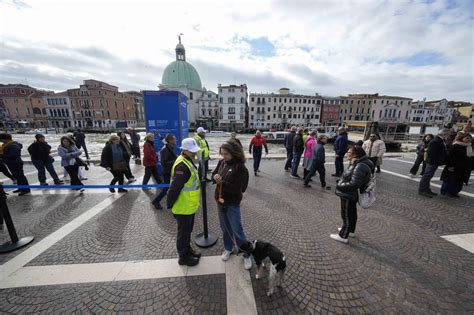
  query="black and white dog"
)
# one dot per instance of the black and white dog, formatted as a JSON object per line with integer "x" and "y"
{"x": 261, "y": 251}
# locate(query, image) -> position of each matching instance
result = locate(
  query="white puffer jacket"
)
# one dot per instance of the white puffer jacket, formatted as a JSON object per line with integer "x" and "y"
{"x": 378, "y": 148}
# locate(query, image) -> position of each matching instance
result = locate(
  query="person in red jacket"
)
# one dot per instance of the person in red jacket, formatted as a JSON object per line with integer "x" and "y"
{"x": 257, "y": 143}
{"x": 150, "y": 160}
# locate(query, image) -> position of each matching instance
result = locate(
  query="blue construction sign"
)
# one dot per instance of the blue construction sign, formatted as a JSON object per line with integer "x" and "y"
{"x": 166, "y": 112}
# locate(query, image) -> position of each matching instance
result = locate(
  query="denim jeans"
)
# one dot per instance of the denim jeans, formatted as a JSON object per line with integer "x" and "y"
{"x": 427, "y": 176}
{"x": 231, "y": 226}
{"x": 295, "y": 163}
{"x": 41, "y": 166}
{"x": 257, "y": 157}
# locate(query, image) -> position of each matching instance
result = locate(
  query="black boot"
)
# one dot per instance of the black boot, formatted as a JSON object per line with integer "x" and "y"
{"x": 188, "y": 260}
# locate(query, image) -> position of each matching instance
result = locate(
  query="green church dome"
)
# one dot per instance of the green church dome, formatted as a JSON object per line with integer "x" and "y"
{"x": 180, "y": 73}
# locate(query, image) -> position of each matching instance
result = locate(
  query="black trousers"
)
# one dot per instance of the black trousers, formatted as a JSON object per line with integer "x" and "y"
{"x": 73, "y": 171}
{"x": 289, "y": 159}
{"x": 339, "y": 162}
{"x": 375, "y": 160}
{"x": 183, "y": 238}
{"x": 316, "y": 167}
{"x": 416, "y": 166}
{"x": 118, "y": 177}
{"x": 349, "y": 217}
{"x": 18, "y": 174}
{"x": 128, "y": 171}
{"x": 4, "y": 169}
{"x": 149, "y": 171}
{"x": 136, "y": 151}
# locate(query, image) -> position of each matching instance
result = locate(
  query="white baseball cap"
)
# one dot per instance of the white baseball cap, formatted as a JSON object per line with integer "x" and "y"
{"x": 201, "y": 129}
{"x": 189, "y": 144}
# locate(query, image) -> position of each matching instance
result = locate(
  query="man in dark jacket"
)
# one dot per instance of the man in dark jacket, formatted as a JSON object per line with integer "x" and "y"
{"x": 80, "y": 139}
{"x": 135, "y": 138}
{"x": 437, "y": 151}
{"x": 167, "y": 158}
{"x": 40, "y": 152}
{"x": 10, "y": 153}
{"x": 340, "y": 149}
{"x": 298, "y": 149}
{"x": 288, "y": 142}
{"x": 317, "y": 165}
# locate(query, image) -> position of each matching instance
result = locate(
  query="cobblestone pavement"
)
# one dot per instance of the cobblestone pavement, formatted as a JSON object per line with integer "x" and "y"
{"x": 191, "y": 295}
{"x": 398, "y": 263}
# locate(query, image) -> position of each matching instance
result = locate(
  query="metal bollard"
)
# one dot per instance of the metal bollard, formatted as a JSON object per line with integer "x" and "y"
{"x": 14, "y": 242}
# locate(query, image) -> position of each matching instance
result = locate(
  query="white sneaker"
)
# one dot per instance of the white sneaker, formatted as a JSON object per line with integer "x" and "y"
{"x": 131, "y": 180}
{"x": 350, "y": 234}
{"x": 247, "y": 263}
{"x": 226, "y": 255}
{"x": 336, "y": 237}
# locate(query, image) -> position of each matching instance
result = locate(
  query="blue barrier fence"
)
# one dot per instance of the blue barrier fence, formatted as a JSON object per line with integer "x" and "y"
{"x": 83, "y": 186}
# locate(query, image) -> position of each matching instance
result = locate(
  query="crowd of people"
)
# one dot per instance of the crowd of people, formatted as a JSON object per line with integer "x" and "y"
{"x": 451, "y": 149}
{"x": 231, "y": 176}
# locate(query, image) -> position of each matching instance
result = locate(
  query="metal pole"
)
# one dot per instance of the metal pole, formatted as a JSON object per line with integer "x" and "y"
{"x": 204, "y": 239}
{"x": 14, "y": 243}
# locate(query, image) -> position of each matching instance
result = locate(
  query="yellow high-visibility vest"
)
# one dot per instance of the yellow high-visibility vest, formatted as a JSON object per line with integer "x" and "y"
{"x": 189, "y": 198}
{"x": 202, "y": 144}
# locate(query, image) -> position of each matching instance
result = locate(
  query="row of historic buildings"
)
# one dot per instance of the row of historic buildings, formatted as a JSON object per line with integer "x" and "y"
{"x": 99, "y": 105}
{"x": 94, "y": 104}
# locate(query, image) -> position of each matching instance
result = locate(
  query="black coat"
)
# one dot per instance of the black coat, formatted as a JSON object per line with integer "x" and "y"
{"x": 40, "y": 151}
{"x": 298, "y": 144}
{"x": 107, "y": 159}
{"x": 167, "y": 157}
{"x": 235, "y": 179}
{"x": 437, "y": 151}
{"x": 356, "y": 177}
{"x": 458, "y": 165}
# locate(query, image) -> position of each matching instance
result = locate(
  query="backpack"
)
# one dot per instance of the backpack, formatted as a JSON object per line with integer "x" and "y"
{"x": 367, "y": 196}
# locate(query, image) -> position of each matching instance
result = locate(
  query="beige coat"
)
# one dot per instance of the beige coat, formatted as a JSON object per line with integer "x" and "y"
{"x": 378, "y": 149}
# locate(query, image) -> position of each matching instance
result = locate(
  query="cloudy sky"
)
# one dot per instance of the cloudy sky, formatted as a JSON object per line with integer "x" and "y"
{"x": 409, "y": 48}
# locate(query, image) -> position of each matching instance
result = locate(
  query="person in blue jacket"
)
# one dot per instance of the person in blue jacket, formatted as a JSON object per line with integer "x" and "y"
{"x": 340, "y": 149}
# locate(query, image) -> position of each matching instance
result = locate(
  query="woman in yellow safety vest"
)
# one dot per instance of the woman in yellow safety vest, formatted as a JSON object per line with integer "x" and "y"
{"x": 184, "y": 200}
